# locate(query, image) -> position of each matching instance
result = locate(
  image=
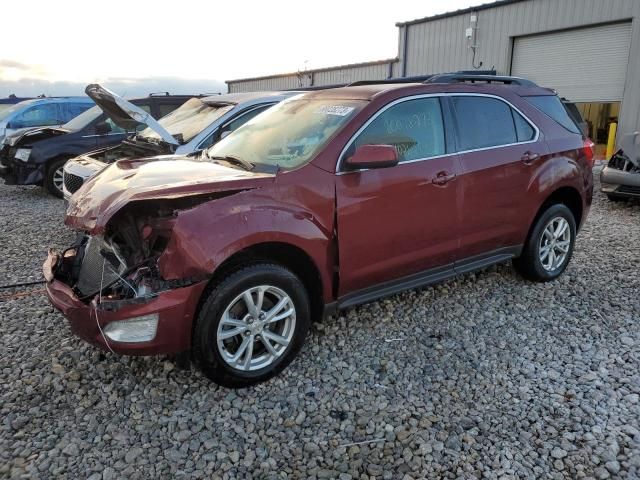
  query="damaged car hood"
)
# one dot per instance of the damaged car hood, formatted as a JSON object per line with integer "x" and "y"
{"x": 34, "y": 134}
{"x": 162, "y": 177}
{"x": 125, "y": 114}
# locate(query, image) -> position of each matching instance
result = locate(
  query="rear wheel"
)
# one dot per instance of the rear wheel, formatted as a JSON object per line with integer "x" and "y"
{"x": 54, "y": 179}
{"x": 251, "y": 325}
{"x": 549, "y": 247}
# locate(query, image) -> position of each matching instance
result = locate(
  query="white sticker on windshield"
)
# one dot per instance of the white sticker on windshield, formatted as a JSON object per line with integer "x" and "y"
{"x": 339, "y": 110}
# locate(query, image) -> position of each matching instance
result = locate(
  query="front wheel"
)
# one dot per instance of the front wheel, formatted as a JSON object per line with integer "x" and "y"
{"x": 54, "y": 178}
{"x": 549, "y": 247}
{"x": 251, "y": 325}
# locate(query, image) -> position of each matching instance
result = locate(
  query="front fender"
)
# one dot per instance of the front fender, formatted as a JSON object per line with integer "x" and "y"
{"x": 205, "y": 236}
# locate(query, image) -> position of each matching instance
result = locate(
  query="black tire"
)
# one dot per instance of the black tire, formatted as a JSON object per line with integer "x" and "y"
{"x": 615, "y": 198}
{"x": 529, "y": 264}
{"x": 50, "y": 177}
{"x": 217, "y": 299}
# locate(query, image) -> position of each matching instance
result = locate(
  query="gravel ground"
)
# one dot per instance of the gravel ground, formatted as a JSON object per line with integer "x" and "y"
{"x": 485, "y": 376}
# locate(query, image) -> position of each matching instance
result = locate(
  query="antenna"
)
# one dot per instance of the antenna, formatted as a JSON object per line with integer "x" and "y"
{"x": 471, "y": 35}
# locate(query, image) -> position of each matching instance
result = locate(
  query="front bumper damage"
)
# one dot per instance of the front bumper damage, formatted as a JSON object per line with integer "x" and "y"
{"x": 16, "y": 172}
{"x": 621, "y": 176}
{"x": 620, "y": 183}
{"x": 95, "y": 290}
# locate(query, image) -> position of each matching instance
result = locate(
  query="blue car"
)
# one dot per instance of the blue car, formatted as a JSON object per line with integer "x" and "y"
{"x": 41, "y": 112}
{"x": 11, "y": 100}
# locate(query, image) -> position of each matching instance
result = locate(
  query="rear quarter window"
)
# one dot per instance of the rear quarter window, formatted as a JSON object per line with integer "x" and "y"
{"x": 551, "y": 106}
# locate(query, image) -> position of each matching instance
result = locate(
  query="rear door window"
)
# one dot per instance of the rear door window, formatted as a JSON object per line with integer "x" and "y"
{"x": 414, "y": 127}
{"x": 72, "y": 110}
{"x": 484, "y": 122}
{"x": 553, "y": 107}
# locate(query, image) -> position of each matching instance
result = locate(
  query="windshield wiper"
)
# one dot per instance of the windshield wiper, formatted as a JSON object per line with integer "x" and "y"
{"x": 246, "y": 164}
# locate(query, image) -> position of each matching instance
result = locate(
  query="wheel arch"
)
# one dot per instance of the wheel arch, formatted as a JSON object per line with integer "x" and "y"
{"x": 568, "y": 196}
{"x": 282, "y": 253}
{"x": 565, "y": 195}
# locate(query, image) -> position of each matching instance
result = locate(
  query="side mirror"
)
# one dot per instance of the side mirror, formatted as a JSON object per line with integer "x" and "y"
{"x": 224, "y": 134}
{"x": 102, "y": 128}
{"x": 373, "y": 156}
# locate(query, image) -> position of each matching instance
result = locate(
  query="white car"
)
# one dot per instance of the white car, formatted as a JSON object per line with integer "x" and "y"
{"x": 196, "y": 125}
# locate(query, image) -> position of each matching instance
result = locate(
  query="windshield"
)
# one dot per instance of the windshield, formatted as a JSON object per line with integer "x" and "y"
{"x": 84, "y": 119}
{"x": 7, "y": 112}
{"x": 289, "y": 134}
{"x": 189, "y": 120}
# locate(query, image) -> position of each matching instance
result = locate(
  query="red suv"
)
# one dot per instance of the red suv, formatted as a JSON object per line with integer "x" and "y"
{"x": 328, "y": 200}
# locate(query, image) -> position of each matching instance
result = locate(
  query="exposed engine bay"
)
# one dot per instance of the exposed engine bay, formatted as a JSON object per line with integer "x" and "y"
{"x": 120, "y": 266}
{"x": 131, "y": 149}
{"x": 621, "y": 161}
{"x": 627, "y": 158}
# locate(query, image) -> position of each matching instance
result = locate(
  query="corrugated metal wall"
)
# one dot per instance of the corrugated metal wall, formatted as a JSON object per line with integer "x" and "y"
{"x": 440, "y": 45}
{"x": 568, "y": 66}
{"x": 281, "y": 82}
{"x": 352, "y": 74}
{"x": 329, "y": 76}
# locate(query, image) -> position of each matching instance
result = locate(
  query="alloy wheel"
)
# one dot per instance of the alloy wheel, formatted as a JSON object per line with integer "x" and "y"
{"x": 554, "y": 244}
{"x": 58, "y": 179}
{"x": 256, "y": 328}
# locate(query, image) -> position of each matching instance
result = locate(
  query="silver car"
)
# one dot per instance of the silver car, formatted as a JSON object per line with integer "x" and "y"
{"x": 620, "y": 179}
{"x": 196, "y": 125}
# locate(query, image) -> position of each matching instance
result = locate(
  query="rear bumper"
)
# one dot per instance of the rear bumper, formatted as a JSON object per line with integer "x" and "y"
{"x": 175, "y": 308}
{"x": 620, "y": 183}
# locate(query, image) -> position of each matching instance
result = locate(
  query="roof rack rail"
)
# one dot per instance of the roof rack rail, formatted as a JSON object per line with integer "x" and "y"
{"x": 414, "y": 79}
{"x": 314, "y": 87}
{"x": 473, "y": 78}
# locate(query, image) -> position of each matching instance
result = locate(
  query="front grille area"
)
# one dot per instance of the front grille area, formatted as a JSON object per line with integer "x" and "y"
{"x": 628, "y": 189}
{"x": 72, "y": 182}
{"x": 100, "y": 266}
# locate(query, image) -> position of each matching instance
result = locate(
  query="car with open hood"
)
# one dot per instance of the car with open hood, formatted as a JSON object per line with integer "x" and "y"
{"x": 620, "y": 178}
{"x": 196, "y": 125}
{"x": 36, "y": 156}
{"x": 325, "y": 201}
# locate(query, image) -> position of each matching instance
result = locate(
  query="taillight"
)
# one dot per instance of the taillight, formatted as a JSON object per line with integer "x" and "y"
{"x": 589, "y": 151}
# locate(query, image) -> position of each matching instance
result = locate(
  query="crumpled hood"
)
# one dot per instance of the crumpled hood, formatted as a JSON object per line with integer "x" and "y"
{"x": 33, "y": 135}
{"x": 162, "y": 177}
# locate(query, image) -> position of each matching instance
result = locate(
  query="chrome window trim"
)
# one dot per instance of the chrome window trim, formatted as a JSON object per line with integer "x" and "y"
{"x": 338, "y": 170}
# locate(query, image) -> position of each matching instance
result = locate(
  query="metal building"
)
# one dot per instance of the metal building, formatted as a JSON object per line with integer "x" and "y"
{"x": 588, "y": 50}
{"x": 338, "y": 75}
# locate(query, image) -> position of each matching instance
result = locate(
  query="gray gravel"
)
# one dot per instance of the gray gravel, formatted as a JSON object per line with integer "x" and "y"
{"x": 484, "y": 376}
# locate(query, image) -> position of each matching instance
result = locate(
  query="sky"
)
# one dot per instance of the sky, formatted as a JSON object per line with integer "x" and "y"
{"x": 190, "y": 46}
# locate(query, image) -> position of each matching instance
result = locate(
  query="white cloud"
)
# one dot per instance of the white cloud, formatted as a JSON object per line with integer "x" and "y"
{"x": 78, "y": 41}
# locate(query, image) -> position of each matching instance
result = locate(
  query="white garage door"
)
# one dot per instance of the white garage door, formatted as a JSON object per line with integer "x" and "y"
{"x": 584, "y": 65}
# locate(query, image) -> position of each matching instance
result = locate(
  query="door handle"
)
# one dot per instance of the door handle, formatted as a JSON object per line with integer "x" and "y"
{"x": 442, "y": 178}
{"x": 529, "y": 157}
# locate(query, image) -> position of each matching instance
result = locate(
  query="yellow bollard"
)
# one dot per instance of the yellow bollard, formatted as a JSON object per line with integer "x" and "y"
{"x": 611, "y": 141}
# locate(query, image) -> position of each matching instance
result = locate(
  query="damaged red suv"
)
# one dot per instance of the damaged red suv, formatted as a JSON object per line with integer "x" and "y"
{"x": 328, "y": 200}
